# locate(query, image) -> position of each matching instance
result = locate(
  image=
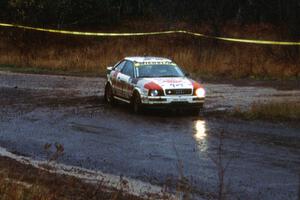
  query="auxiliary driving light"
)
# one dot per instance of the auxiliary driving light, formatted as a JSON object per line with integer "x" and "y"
{"x": 200, "y": 92}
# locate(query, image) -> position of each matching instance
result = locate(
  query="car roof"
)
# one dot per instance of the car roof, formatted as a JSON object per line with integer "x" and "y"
{"x": 147, "y": 59}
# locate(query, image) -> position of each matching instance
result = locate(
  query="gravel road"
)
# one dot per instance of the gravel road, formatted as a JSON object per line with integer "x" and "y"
{"x": 262, "y": 159}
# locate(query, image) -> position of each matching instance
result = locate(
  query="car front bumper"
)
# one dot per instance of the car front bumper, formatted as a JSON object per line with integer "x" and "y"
{"x": 173, "y": 101}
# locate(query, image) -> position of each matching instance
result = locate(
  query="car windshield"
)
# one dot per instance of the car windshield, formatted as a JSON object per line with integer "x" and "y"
{"x": 159, "y": 71}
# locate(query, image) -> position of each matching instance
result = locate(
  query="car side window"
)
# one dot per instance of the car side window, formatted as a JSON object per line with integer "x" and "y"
{"x": 120, "y": 66}
{"x": 128, "y": 69}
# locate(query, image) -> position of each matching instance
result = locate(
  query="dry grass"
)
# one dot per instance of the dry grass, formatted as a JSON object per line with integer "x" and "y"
{"x": 274, "y": 111}
{"x": 202, "y": 57}
{"x": 15, "y": 190}
{"x": 22, "y": 182}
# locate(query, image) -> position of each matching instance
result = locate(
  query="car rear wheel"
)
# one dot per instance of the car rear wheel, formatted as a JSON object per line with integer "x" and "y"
{"x": 108, "y": 95}
{"x": 137, "y": 104}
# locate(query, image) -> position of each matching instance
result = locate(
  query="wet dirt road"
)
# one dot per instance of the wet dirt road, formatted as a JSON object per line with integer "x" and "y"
{"x": 262, "y": 159}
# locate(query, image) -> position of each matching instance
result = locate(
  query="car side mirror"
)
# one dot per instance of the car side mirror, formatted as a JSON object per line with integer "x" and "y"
{"x": 109, "y": 69}
{"x": 187, "y": 74}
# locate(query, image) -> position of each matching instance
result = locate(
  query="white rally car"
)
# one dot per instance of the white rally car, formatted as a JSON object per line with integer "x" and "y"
{"x": 152, "y": 82}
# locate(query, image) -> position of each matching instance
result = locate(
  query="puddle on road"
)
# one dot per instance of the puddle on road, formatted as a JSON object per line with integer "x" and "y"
{"x": 200, "y": 134}
{"x": 200, "y": 128}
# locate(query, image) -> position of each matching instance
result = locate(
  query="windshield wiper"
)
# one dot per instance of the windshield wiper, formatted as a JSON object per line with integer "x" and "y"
{"x": 169, "y": 76}
{"x": 145, "y": 76}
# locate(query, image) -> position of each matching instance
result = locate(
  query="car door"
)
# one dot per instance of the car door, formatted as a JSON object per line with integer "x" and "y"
{"x": 126, "y": 76}
{"x": 116, "y": 80}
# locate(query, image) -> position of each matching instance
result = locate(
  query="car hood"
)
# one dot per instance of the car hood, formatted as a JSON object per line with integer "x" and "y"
{"x": 172, "y": 83}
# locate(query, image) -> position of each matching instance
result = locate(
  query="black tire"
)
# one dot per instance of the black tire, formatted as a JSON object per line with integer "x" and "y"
{"x": 137, "y": 107}
{"x": 108, "y": 95}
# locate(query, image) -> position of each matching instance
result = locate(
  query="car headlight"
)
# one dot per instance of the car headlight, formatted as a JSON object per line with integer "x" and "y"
{"x": 154, "y": 93}
{"x": 200, "y": 92}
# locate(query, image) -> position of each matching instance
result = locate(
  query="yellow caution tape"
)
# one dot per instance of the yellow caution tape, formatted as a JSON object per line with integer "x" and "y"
{"x": 248, "y": 41}
{"x": 87, "y": 33}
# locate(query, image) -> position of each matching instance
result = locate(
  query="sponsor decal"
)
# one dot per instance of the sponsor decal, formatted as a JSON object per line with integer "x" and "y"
{"x": 176, "y": 85}
{"x": 172, "y": 81}
{"x": 138, "y": 64}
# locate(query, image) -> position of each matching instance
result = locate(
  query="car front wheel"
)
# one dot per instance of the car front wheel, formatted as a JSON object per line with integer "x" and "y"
{"x": 137, "y": 103}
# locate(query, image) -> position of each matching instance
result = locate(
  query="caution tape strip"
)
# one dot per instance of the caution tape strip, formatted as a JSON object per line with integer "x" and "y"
{"x": 248, "y": 41}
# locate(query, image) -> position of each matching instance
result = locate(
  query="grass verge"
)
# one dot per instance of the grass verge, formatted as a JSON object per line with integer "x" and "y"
{"x": 273, "y": 111}
{"x": 24, "y": 182}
